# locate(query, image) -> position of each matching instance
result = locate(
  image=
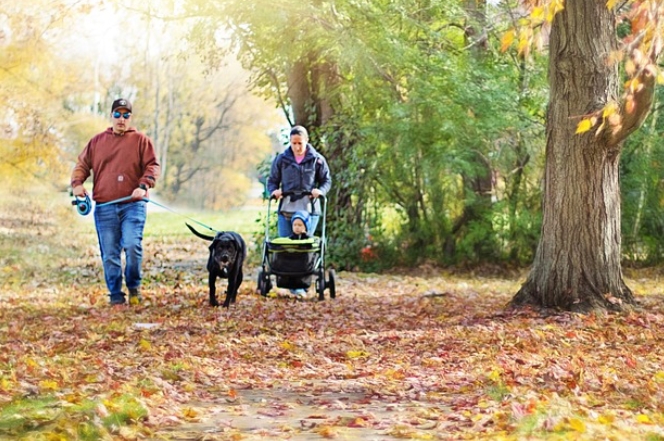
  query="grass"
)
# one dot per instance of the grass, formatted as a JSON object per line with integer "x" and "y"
{"x": 88, "y": 419}
{"x": 247, "y": 222}
{"x": 43, "y": 239}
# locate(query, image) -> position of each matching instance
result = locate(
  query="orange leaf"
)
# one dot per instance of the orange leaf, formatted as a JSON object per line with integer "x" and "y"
{"x": 507, "y": 40}
{"x": 630, "y": 104}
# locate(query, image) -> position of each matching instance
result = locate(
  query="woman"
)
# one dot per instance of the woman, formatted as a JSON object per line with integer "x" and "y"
{"x": 299, "y": 168}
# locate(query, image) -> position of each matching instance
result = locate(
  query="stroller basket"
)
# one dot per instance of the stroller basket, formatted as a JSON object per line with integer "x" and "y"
{"x": 293, "y": 257}
{"x": 294, "y": 261}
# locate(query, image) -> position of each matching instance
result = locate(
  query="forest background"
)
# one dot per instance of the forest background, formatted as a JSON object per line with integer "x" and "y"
{"x": 432, "y": 115}
{"x": 434, "y": 134}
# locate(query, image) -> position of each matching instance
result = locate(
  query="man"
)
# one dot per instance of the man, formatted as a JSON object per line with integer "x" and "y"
{"x": 123, "y": 164}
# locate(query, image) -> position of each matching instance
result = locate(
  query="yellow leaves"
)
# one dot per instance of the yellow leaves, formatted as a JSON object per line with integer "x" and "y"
{"x": 5, "y": 384}
{"x": 553, "y": 8}
{"x": 190, "y": 414}
{"x": 357, "y": 354}
{"x": 659, "y": 377}
{"x": 611, "y": 4}
{"x": 406, "y": 432}
{"x": 394, "y": 374}
{"x": 494, "y": 376}
{"x": 528, "y": 32}
{"x": 609, "y": 110}
{"x": 145, "y": 345}
{"x": 643, "y": 419}
{"x": 583, "y": 126}
{"x": 537, "y": 13}
{"x": 49, "y": 385}
{"x": 577, "y": 425}
{"x": 606, "y": 419}
{"x": 56, "y": 437}
{"x": 525, "y": 39}
{"x": 326, "y": 431}
{"x": 287, "y": 345}
{"x": 610, "y": 115}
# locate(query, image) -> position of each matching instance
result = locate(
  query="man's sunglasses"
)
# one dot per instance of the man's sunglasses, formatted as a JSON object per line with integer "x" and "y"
{"x": 125, "y": 115}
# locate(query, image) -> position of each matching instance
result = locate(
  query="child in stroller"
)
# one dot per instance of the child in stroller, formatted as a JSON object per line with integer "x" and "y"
{"x": 300, "y": 225}
{"x": 300, "y": 222}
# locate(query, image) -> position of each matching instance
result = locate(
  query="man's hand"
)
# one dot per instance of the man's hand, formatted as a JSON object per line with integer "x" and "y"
{"x": 315, "y": 193}
{"x": 276, "y": 194}
{"x": 138, "y": 194}
{"x": 79, "y": 191}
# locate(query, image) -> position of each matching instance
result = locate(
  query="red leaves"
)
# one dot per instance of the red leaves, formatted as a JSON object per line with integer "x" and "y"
{"x": 385, "y": 357}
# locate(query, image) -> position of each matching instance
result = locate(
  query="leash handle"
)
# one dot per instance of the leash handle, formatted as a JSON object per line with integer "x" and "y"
{"x": 83, "y": 205}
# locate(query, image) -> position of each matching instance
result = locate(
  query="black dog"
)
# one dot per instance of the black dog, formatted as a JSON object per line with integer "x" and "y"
{"x": 227, "y": 254}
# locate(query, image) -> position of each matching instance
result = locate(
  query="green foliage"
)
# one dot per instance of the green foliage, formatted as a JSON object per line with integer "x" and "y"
{"x": 642, "y": 168}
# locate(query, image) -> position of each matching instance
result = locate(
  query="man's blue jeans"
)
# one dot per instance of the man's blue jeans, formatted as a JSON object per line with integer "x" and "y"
{"x": 285, "y": 229}
{"x": 120, "y": 227}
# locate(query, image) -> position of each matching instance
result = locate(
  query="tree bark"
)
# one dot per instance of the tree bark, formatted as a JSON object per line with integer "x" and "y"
{"x": 577, "y": 263}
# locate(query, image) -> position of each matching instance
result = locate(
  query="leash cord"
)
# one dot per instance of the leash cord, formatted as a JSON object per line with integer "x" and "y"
{"x": 84, "y": 206}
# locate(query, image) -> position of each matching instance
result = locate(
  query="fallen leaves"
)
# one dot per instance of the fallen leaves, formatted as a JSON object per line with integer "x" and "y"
{"x": 417, "y": 356}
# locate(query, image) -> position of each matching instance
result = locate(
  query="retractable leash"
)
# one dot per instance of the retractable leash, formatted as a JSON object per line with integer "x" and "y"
{"x": 84, "y": 206}
{"x": 181, "y": 215}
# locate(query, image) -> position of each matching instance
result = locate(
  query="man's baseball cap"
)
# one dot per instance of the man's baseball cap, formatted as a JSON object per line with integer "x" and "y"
{"x": 121, "y": 103}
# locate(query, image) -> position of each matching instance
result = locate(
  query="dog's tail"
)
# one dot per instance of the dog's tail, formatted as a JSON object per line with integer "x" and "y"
{"x": 201, "y": 235}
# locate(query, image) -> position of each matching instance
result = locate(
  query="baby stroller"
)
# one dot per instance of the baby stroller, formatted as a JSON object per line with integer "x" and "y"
{"x": 295, "y": 263}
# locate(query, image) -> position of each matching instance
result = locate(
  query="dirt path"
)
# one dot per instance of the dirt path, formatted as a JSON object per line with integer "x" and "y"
{"x": 300, "y": 413}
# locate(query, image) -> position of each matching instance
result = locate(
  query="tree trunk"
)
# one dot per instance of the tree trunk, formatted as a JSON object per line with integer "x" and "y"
{"x": 299, "y": 94}
{"x": 577, "y": 264}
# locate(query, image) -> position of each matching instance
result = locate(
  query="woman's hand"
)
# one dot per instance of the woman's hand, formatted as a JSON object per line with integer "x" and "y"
{"x": 276, "y": 194}
{"x": 315, "y": 193}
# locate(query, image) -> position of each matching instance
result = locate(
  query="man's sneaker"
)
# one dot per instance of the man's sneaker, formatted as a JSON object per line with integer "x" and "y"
{"x": 118, "y": 300}
{"x": 134, "y": 296}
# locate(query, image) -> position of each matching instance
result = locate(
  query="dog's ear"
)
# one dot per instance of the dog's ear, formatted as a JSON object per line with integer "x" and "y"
{"x": 216, "y": 239}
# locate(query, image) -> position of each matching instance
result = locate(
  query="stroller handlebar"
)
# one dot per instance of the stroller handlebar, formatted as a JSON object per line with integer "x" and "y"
{"x": 297, "y": 193}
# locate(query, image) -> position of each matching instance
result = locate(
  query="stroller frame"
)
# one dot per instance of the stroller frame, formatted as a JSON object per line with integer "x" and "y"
{"x": 310, "y": 251}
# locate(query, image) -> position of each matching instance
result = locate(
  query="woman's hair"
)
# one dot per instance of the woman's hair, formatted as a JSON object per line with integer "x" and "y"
{"x": 299, "y": 130}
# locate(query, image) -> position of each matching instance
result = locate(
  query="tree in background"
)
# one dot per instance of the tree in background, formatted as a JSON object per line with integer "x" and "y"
{"x": 203, "y": 122}
{"x": 34, "y": 84}
{"x": 642, "y": 187}
{"x": 578, "y": 261}
{"x": 403, "y": 109}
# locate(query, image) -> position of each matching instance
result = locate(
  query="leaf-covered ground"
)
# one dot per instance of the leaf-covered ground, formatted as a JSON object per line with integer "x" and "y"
{"x": 407, "y": 355}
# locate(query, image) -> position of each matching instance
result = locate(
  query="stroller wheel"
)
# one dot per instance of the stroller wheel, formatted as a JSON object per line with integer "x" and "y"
{"x": 320, "y": 285}
{"x": 331, "y": 283}
{"x": 264, "y": 283}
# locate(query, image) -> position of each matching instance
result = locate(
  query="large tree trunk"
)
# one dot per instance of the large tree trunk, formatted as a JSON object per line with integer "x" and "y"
{"x": 577, "y": 264}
